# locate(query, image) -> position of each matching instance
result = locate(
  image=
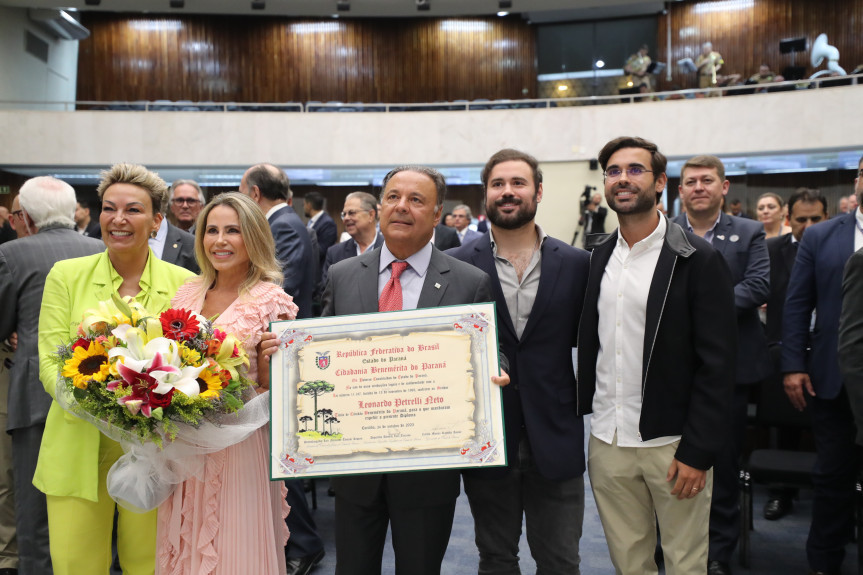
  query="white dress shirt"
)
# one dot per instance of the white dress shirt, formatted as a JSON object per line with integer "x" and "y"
{"x": 157, "y": 244}
{"x": 622, "y": 310}
{"x": 858, "y": 235}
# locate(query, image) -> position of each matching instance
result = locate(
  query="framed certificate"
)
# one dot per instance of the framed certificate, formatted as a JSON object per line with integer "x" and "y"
{"x": 386, "y": 392}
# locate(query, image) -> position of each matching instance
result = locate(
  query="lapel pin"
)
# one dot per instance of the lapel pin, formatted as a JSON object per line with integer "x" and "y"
{"x": 175, "y": 246}
{"x": 720, "y": 237}
{"x": 734, "y": 238}
{"x": 437, "y": 286}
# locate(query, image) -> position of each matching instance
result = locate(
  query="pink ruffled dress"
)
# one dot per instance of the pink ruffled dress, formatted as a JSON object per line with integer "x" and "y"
{"x": 233, "y": 522}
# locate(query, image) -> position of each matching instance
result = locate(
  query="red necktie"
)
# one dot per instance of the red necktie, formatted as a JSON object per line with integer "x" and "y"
{"x": 391, "y": 296}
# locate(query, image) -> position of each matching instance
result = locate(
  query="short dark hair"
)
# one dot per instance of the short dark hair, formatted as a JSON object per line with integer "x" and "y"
{"x": 807, "y": 196}
{"x": 314, "y": 199}
{"x": 657, "y": 159}
{"x": 436, "y": 177}
{"x": 511, "y": 155}
{"x": 272, "y": 181}
{"x": 705, "y": 161}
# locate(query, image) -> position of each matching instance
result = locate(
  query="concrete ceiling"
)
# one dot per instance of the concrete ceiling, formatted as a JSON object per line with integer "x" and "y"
{"x": 533, "y": 10}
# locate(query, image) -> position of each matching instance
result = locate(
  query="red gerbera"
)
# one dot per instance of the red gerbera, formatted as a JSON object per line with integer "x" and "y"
{"x": 81, "y": 342}
{"x": 179, "y": 324}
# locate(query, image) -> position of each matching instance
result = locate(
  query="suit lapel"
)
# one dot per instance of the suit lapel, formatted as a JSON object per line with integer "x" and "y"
{"x": 171, "y": 249}
{"x": 721, "y": 234}
{"x": 367, "y": 283}
{"x": 435, "y": 284}
{"x": 549, "y": 272}
{"x": 789, "y": 254}
{"x": 847, "y": 229}
{"x": 656, "y": 302}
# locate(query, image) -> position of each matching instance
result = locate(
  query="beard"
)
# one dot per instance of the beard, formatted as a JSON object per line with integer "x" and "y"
{"x": 524, "y": 213}
{"x": 643, "y": 202}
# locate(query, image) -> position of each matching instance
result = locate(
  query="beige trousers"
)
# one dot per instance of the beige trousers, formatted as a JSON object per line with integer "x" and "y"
{"x": 632, "y": 494}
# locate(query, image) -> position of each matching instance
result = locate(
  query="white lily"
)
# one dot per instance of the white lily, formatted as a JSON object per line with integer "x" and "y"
{"x": 139, "y": 355}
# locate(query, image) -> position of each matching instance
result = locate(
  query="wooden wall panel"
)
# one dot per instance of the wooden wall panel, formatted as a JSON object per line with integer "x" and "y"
{"x": 198, "y": 58}
{"x": 747, "y": 33}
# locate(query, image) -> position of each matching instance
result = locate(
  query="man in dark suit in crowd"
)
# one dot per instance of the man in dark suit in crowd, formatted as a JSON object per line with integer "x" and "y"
{"x": 538, "y": 285}
{"x": 419, "y": 506}
{"x": 360, "y": 216}
{"x": 47, "y": 206}
{"x": 742, "y": 243}
{"x": 810, "y": 365}
{"x": 185, "y": 201}
{"x": 445, "y": 237}
{"x": 321, "y": 222}
{"x": 656, "y": 355}
{"x": 805, "y": 208}
{"x": 461, "y": 217}
{"x": 84, "y": 224}
{"x": 269, "y": 187}
{"x": 174, "y": 246}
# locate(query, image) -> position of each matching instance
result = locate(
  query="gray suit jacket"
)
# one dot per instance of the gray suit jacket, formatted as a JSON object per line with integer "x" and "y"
{"x": 180, "y": 249}
{"x": 352, "y": 288}
{"x": 24, "y": 264}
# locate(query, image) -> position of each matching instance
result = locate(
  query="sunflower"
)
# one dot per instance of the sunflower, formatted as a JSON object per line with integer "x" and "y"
{"x": 87, "y": 364}
{"x": 210, "y": 384}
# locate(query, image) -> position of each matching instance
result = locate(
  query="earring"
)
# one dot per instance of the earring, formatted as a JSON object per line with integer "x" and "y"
{"x": 153, "y": 234}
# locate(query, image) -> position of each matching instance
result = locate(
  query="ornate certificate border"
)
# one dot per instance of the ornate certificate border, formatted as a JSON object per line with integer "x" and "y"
{"x": 386, "y": 392}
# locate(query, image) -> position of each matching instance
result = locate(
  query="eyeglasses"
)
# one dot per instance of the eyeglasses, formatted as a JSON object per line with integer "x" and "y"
{"x": 190, "y": 201}
{"x": 631, "y": 171}
{"x": 18, "y": 214}
{"x": 860, "y": 173}
{"x": 352, "y": 213}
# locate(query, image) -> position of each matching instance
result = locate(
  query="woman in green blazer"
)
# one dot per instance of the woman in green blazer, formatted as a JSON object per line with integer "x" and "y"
{"x": 75, "y": 457}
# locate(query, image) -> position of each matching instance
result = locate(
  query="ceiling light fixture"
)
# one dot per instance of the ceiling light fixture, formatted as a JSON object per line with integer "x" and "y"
{"x": 504, "y": 4}
{"x": 92, "y": 2}
{"x": 503, "y": 13}
{"x": 258, "y": 4}
{"x": 423, "y": 5}
{"x": 178, "y": 3}
{"x": 343, "y": 5}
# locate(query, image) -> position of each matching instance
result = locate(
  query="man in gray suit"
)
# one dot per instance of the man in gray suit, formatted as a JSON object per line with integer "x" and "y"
{"x": 174, "y": 246}
{"x": 419, "y": 506}
{"x": 47, "y": 206}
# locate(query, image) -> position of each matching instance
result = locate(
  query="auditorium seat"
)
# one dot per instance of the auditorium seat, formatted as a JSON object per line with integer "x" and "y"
{"x": 775, "y": 467}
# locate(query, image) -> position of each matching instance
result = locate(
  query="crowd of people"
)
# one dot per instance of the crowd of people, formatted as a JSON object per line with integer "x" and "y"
{"x": 667, "y": 314}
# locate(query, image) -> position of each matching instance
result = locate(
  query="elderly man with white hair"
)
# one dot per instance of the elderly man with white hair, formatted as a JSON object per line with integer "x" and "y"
{"x": 47, "y": 213}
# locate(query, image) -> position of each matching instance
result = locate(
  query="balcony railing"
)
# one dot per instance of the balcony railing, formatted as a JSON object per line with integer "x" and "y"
{"x": 454, "y": 106}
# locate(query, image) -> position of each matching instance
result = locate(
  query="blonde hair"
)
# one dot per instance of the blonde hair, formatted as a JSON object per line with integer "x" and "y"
{"x": 257, "y": 237}
{"x": 140, "y": 176}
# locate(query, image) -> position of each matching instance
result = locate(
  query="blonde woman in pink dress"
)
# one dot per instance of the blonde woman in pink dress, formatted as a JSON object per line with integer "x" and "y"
{"x": 231, "y": 522}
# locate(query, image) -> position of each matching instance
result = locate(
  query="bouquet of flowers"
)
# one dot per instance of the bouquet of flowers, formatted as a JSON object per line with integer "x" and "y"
{"x": 167, "y": 387}
{"x": 142, "y": 374}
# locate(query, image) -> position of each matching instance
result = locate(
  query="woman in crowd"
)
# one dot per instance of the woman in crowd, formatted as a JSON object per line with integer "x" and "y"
{"x": 232, "y": 521}
{"x": 75, "y": 457}
{"x": 771, "y": 212}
